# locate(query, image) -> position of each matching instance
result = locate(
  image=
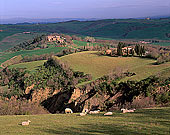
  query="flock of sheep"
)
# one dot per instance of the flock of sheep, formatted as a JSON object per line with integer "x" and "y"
{"x": 68, "y": 110}
{"x": 85, "y": 112}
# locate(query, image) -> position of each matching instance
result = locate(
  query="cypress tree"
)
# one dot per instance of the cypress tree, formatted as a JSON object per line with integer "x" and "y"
{"x": 143, "y": 50}
{"x": 119, "y": 49}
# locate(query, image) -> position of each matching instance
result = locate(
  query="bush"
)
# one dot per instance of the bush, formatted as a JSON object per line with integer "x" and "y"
{"x": 153, "y": 55}
{"x": 163, "y": 58}
{"x": 14, "y": 106}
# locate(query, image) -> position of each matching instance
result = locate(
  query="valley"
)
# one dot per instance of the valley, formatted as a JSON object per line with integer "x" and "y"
{"x": 101, "y": 65}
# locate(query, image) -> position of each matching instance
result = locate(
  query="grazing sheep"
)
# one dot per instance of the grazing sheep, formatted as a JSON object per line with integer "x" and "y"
{"x": 68, "y": 110}
{"x": 126, "y": 110}
{"x": 94, "y": 112}
{"x": 26, "y": 123}
{"x": 83, "y": 114}
{"x": 108, "y": 114}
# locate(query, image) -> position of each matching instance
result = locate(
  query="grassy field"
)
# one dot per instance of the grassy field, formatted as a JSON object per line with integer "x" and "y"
{"x": 82, "y": 43}
{"x": 162, "y": 44}
{"x": 143, "y": 122}
{"x": 6, "y": 56}
{"x": 97, "y": 66}
{"x": 8, "y": 31}
{"x": 31, "y": 66}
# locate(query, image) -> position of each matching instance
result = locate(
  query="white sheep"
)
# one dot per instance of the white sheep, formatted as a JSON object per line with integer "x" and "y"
{"x": 108, "y": 114}
{"x": 26, "y": 123}
{"x": 126, "y": 110}
{"x": 94, "y": 112}
{"x": 68, "y": 110}
{"x": 83, "y": 114}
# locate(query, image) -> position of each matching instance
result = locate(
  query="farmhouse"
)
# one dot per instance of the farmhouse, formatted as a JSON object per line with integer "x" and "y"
{"x": 148, "y": 18}
{"x": 108, "y": 52}
{"x": 144, "y": 42}
{"x": 27, "y": 32}
{"x": 125, "y": 49}
{"x": 53, "y": 38}
{"x": 111, "y": 51}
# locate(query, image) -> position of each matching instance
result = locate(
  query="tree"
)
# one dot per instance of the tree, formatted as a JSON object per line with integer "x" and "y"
{"x": 143, "y": 50}
{"x": 137, "y": 49}
{"x": 119, "y": 49}
{"x": 140, "y": 50}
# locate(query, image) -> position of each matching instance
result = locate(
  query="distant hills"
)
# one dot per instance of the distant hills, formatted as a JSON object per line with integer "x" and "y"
{"x": 55, "y": 20}
{"x": 49, "y": 20}
{"x": 106, "y": 28}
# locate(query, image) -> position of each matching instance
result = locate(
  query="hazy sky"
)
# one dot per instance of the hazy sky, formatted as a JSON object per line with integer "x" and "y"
{"x": 83, "y": 8}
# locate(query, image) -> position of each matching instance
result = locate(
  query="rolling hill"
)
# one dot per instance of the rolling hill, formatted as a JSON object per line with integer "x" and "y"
{"x": 12, "y": 39}
{"x": 91, "y": 62}
{"x": 96, "y": 65}
{"x": 109, "y": 28}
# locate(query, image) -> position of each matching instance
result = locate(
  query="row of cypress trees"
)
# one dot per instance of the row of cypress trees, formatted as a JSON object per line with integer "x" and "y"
{"x": 139, "y": 50}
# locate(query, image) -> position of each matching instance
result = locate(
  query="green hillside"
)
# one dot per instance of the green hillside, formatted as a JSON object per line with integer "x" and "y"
{"x": 109, "y": 28}
{"x": 15, "y": 39}
{"x": 83, "y": 43}
{"x": 97, "y": 66}
{"x": 31, "y": 66}
{"x": 6, "y": 56}
{"x": 146, "y": 121}
{"x": 7, "y": 31}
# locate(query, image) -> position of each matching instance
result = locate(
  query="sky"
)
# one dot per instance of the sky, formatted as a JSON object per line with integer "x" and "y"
{"x": 83, "y": 8}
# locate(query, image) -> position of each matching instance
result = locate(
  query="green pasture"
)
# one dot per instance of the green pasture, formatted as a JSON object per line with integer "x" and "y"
{"x": 31, "y": 66}
{"x": 154, "y": 121}
{"x": 6, "y": 56}
{"x": 162, "y": 43}
{"x": 96, "y": 65}
{"x": 8, "y": 31}
{"x": 82, "y": 43}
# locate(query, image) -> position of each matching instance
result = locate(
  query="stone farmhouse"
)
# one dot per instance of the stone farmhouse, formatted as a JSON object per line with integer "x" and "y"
{"x": 114, "y": 51}
{"x": 125, "y": 49}
{"x": 55, "y": 38}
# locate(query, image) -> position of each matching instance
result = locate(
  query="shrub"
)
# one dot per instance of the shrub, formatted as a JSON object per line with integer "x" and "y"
{"x": 14, "y": 106}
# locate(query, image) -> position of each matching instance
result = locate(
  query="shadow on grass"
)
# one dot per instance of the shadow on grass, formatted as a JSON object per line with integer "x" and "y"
{"x": 89, "y": 129}
{"x": 161, "y": 116}
{"x": 145, "y": 121}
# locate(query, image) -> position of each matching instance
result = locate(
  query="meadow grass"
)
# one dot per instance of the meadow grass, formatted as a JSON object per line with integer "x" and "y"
{"x": 31, "y": 66}
{"x": 83, "y": 43}
{"x": 162, "y": 43}
{"x": 144, "y": 122}
{"x": 6, "y": 56}
{"x": 91, "y": 63}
